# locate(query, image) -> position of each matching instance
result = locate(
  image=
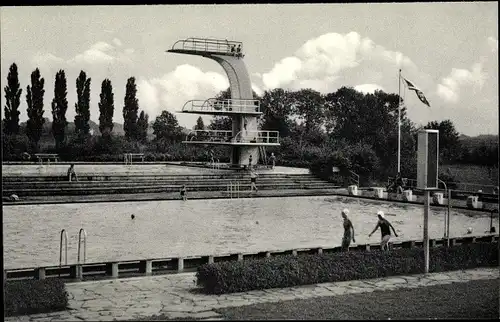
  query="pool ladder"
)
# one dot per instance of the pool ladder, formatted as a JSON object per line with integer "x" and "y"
{"x": 64, "y": 236}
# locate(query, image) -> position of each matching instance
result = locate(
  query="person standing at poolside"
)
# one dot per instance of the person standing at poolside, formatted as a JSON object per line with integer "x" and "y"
{"x": 253, "y": 180}
{"x": 385, "y": 229}
{"x": 183, "y": 192}
{"x": 250, "y": 162}
{"x": 273, "y": 160}
{"x": 348, "y": 231}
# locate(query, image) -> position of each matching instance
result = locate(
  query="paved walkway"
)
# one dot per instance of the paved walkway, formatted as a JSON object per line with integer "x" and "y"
{"x": 175, "y": 295}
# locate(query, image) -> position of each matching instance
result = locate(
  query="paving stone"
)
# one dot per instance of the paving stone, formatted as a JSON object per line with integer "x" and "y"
{"x": 203, "y": 315}
{"x": 396, "y": 280}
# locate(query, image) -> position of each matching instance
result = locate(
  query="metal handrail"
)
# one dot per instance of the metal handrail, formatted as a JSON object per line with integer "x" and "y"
{"x": 84, "y": 244}
{"x": 64, "y": 235}
{"x": 232, "y": 105}
{"x": 266, "y": 139}
{"x": 355, "y": 177}
{"x": 412, "y": 183}
{"x": 211, "y": 134}
{"x": 204, "y": 44}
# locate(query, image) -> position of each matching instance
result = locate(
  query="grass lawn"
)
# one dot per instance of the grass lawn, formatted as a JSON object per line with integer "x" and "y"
{"x": 469, "y": 300}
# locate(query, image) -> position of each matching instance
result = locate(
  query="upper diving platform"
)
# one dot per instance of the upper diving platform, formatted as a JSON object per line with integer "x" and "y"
{"x": 207, "y": 46}
{"x": 223, "y": 107}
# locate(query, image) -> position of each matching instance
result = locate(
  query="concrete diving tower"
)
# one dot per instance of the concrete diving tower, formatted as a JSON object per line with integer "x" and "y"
{"x": 244, "y": 110}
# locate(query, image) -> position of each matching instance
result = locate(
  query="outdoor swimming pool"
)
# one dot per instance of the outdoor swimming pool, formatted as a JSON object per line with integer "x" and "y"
{"x": 203, "y": 227}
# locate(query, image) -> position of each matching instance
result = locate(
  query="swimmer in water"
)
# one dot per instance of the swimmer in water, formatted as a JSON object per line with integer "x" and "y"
{"x": 132, "y": 216}
{"x": 348, "y": 231}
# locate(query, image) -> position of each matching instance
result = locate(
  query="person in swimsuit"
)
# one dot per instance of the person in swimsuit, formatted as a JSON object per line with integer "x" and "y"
{"x": 273, "y": 160}
{"x": 253, "y": 180}
{"x": 183, "y": 193}
{"x": 348, "y": 231}
{"x": 385, "y": 229}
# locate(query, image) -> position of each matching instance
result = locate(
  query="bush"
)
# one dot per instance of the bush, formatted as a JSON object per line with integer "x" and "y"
{"x": 287, "y": 271}
{"x": 34, "y": 296}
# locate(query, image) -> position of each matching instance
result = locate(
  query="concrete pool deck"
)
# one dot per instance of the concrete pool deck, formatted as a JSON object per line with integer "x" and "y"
{"x": 176, "y": 296}
{"x": 170, "y": 168}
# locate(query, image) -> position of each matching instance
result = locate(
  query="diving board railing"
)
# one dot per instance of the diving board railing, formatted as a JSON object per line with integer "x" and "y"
{"x": 220, "y": 46}
{"x": 263, "y": 137}
{"x": 225, "y": 105}
{"x": 268, "y": 137}
{"x": 209, "y": 136}
{"x": 115, "y": 269}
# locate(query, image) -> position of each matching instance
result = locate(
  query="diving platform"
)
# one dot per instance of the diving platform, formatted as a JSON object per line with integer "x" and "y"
{"x": 208, "y": 46}
{"x": 245, "y": 139}
{"x": 242, "y": 138}
{"x": 214, "y": 106}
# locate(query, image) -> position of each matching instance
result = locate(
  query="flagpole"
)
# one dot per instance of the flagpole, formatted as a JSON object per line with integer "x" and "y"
{"x": 399, "y": 121}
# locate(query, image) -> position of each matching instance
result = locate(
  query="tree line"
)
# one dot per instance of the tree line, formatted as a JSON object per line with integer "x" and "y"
{"x": 347, "y": 129}
{"x": 135, "y": 125}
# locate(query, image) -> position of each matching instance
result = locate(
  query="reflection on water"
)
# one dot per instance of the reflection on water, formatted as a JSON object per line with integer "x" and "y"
{"x": 203, "y": 227}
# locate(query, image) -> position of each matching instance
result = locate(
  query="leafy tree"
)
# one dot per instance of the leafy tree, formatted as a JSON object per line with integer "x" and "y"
{"x": 308, "y": 107}
{"x": 12, "y": 101}
{"x": 449, "y": 143}
{"x": 276, "y": 111}
{"x": 106, "y": 108}
{"x": 34, "y": 98}
{"x": 166, "y": 127}
{"x": 59, "y": 108}
{"x": 142, "y": 127}
{"x": 82, "y": 106}
{"x": 130, "y": 110}
{"x": 199, "y": 124}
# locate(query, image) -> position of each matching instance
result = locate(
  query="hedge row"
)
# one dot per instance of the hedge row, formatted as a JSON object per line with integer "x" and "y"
{"x": 288, "y": 271}
{"x": 34, "y": 296}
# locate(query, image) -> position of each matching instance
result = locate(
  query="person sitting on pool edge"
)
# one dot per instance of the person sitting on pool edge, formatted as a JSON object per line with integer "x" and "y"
{"x": 72, "y": 173}
{"x": 348, "y": 228}
{"x": 183, "y": 192}
{"x": 385, "y": 230}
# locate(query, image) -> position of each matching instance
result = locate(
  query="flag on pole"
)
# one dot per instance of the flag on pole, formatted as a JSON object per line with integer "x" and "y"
{"x": 417, "y": 91}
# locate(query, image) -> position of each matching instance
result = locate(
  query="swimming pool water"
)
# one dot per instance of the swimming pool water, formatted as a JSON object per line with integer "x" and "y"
{"x": 203, "y": 227}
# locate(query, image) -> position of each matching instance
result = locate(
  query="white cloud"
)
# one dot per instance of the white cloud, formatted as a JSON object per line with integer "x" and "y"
{"x": 368, "y": 88}
{"x": 257, "y": 89}
{"x": 173, "y": 90}
{"x": 104, "y": 53}
{"x": 117, "y": 42}
{"x": 92, "y": 56}
{"x": 322, "y": 60}
{"x": 46, "y": 59}
{"x": 450, "y": 87}
{"x": 493, "y": 43}
{"x": 102, "y": 46}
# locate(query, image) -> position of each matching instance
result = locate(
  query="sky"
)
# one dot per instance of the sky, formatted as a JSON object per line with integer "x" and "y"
{"x": 448, "y": 50}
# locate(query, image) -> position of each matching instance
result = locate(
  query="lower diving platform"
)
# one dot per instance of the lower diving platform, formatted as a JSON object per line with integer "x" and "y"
{"x": 245, "y": 138}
